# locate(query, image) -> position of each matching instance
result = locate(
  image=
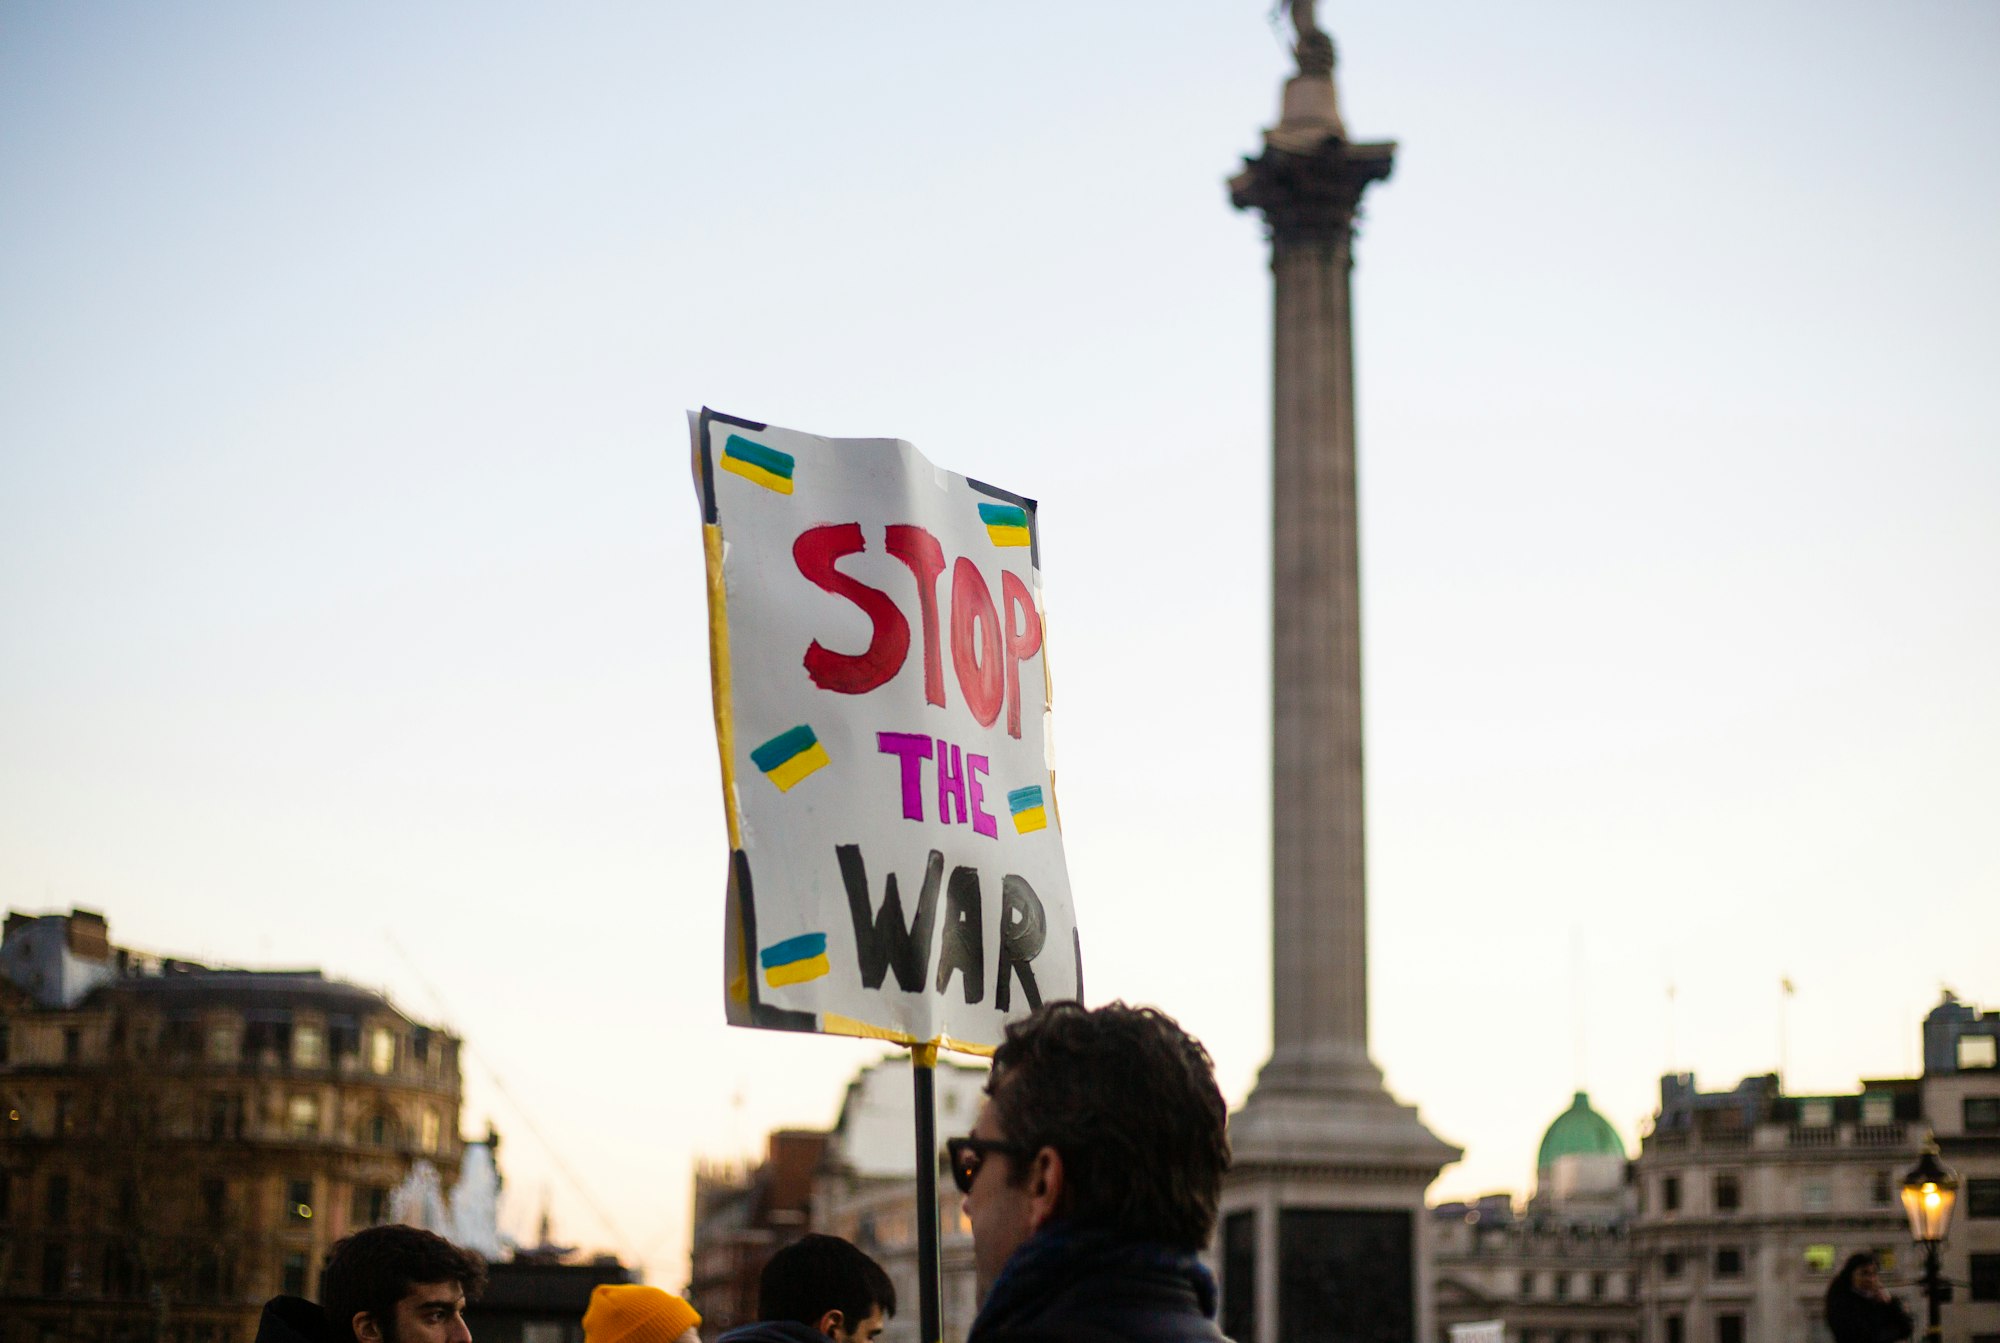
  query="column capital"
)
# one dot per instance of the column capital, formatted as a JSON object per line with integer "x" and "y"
{"x": 1312, "y": 194}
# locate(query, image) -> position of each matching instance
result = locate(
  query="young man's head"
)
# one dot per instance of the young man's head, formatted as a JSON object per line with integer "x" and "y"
{"x": 397, "y": 1284}
{"x": 1109, "y": 1118}
{"x": 824, "y": 1283}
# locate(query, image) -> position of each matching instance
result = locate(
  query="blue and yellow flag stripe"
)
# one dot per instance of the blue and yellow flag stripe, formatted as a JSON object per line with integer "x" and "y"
{"x": 1027, "y": 809}
{"x": 758, "y": 464}
{"x": 1006, "y": 524}
{"x": 795, "y": 960}
{"x": 790, "y": 756}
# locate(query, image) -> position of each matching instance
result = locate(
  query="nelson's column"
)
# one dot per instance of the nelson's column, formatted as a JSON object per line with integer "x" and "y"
{"x": 1323, "y": 1226}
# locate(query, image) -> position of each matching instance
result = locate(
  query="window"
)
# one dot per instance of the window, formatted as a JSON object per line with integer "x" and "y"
{"x": 1815, "y": 1196}
{"x": 1728, "y": 1192}
{"x": 1562, "y": 1286}
{"x": 1878, "y": 1107}
{"x": 1977, "y": 1051}
{"x": 298, "y": 1202}
{"x": 1885, "y": 1255}
{"x": 1597, "y": 1287}
{"x": 1729, "y": 1328}
{"x": 1670, "y": 1264}
{"x": 1527, "y": 1284}
{"x": 308, "y": 1047}
{"x": 293, "y": 1282}
{"x": 371, "y": 1205}
{"x": 1729, "y": 1262}
{"x": 1881, "y": 1190}
{"x": 56, "y": 1199}
{"x": 1670, "y": 1193}
{"x": 55, "y": 1268}
{"x": 128, "y": 1201}
{"x": 6, "y": 1195}
{"x": 6, "y": 1044}
{"x": 222, "y": 1043}
{"x": 1676, "y": 1330}
{"x": 1819, "y": 1259}
{"x": 432, "y": 1130}
{"x": 1816, "y": 1113}
{"x": 267, "y": 1034}
{"x": 214, "y": 1200}
{"x": 302, "y": 1116}
{"x": 73, "y": 1044}
{"x": 1982, "y": 1199}
{"x": 382, "y": 1050}
{"x": 1986, "y": 1277}
{"x": 65, "y": 1114}
{"x": 1982, "y": 1114}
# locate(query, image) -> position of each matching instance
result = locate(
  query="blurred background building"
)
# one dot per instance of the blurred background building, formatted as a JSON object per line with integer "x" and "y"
{"x": 182, "y": 1142}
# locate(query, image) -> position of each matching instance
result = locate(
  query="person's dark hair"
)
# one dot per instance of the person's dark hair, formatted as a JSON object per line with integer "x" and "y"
{"x": 1842, "y": 1285}
{"x": 1129, "y": 1100}
{"x": 815, "y": 1274}
{"x": 374, "y": 1269}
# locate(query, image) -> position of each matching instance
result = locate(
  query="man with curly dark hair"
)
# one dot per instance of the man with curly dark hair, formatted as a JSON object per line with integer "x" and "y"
{"x": 1092, "y": 1178}
{"x": 388, "y": 1284}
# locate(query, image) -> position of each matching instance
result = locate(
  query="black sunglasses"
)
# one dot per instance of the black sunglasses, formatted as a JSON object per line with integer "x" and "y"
{"x": 969, "y": 1154}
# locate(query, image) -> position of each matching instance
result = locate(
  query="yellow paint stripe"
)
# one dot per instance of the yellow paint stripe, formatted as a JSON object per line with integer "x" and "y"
{"x": 757, "y": 475}
{"x": 1008, "y": 536}
{"x": 798, "y": 972}
{"x": 718, "y": 677}
{"x": 832, "y": 1023}
{"x": 800, "y": 765}
{"x": 1034, "y": 818}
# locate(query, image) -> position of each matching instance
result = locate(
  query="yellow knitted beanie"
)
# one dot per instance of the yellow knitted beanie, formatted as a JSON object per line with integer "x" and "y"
{"x": 625, "y": 1312}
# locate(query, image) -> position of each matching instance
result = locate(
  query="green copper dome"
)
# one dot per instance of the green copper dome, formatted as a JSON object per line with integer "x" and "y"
{"x": 1579, "y": 1131}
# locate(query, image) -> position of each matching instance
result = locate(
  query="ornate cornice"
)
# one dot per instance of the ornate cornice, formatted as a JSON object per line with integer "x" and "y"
{"x": 1314, "y": 196}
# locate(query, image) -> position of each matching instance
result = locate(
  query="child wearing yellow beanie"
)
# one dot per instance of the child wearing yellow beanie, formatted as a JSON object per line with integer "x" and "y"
{"x": 626, "y": 1312}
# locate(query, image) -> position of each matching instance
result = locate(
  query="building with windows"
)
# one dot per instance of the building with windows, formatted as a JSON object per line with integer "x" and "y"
{"x": 1750, "y": 1199}
{"x": 742, "y": 1216}
{"x": 178, "y": 1142}
{"x": 1962, "y": 1103}
{"x": 857, "y": 1181}
{"x": 1560, "y": 1270}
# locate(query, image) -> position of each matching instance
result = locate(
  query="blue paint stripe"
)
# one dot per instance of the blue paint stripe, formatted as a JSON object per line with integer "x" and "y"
{"x": 1021, "y": 799}
{"x": 1003, "y": 515}
{"x": 801, "y": 948}
{"x": 743, "y": 450}
{"x": 783, "y": 747}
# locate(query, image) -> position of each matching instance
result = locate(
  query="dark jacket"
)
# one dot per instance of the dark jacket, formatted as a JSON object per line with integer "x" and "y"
{"x": 1076, "y": 1285}
{"x": 291, "y": 1319}
{"x": 773, "y": 1331}
{"x": 1855, "y": 1318}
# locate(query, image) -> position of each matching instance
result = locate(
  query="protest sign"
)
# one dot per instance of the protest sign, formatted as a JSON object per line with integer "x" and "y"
{"x": 880, "y": 669}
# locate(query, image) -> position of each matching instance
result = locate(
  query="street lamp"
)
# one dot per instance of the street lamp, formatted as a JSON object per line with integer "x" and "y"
{"x": 1929, "y": 1191}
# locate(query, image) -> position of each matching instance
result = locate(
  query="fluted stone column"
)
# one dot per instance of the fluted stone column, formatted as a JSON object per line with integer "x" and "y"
{"x": 1324, "y": 1234}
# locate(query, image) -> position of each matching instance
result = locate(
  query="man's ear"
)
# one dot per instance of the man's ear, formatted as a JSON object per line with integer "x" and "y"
{"x": 830, "y": 1323}
{"x": 365, "y": 1328}
{"x": 1045, "y": 1187}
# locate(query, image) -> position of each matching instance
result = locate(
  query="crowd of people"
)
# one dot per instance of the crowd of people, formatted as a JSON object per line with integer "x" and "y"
{"x": 1092, "y": 1178}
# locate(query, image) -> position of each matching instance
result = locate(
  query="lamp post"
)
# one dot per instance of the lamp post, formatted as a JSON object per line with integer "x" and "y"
{"x": 1929, "y": 1191}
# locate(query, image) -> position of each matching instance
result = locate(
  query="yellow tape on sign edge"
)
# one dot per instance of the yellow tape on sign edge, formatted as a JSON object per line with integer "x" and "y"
{"x": 718, "y": 676}
{"x": 832, "y": 1023}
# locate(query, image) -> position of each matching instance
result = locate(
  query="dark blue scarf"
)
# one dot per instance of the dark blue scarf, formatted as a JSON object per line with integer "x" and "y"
{"x": 1061, "y": 1254}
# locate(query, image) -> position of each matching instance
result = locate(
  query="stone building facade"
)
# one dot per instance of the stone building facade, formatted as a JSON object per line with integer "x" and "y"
{"x": 1750, "y": 1199}
{"x": 182, "y": 1142}
{"x": 1559, "y": 1270}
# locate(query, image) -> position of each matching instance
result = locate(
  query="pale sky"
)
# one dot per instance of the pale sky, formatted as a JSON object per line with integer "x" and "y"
{"x": 351, "y": 581}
